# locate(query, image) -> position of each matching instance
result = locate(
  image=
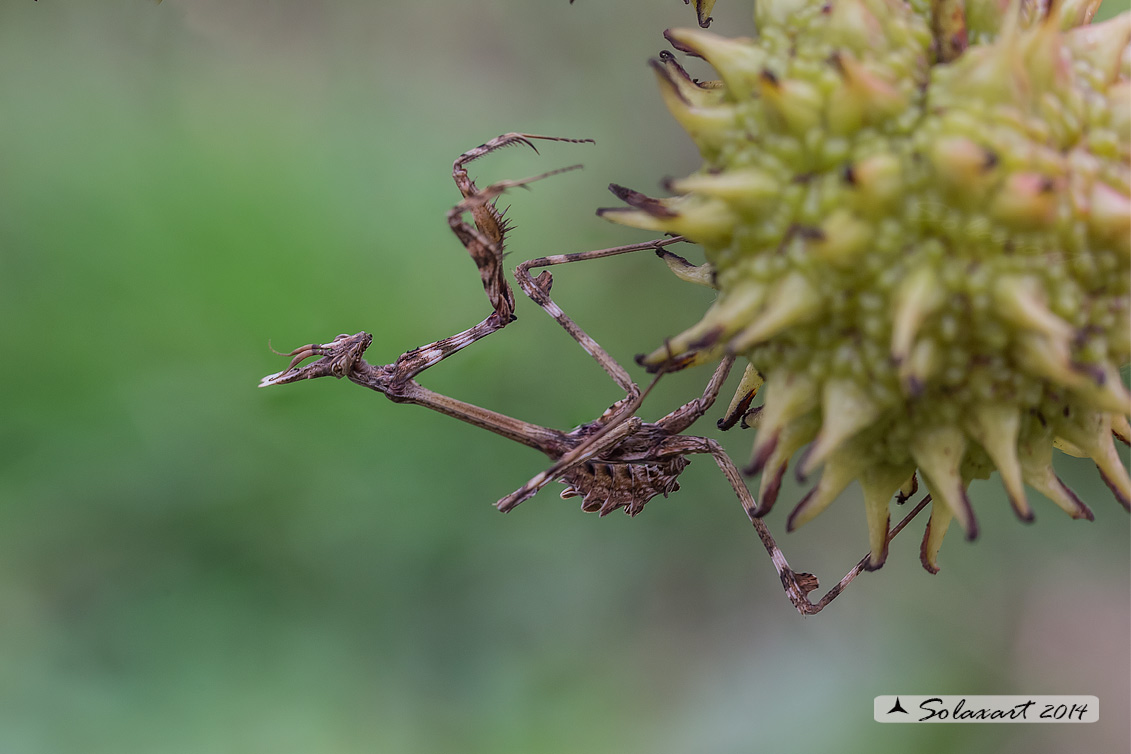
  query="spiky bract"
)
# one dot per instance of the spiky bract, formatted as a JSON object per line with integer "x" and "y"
{"x": 920, "y": 238}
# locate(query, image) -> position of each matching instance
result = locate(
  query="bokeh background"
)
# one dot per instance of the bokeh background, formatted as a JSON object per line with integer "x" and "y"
{"x": 192, "y": 565}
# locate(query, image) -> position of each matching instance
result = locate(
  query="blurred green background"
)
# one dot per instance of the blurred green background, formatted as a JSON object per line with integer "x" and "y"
{"x": 189, "y": 564}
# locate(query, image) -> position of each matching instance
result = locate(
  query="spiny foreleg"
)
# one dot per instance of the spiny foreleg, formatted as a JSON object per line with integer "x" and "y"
{"x": 485, "y": 237}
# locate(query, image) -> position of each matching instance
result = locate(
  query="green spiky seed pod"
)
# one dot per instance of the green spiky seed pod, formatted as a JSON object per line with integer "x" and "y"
{"x": 919, "y": 226}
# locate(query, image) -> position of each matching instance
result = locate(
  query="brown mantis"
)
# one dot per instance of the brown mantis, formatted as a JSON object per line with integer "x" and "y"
{"x": 615, "y": 461}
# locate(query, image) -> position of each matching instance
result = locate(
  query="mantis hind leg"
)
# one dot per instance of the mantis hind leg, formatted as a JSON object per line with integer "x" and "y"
{"x": 797, "y": 585}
